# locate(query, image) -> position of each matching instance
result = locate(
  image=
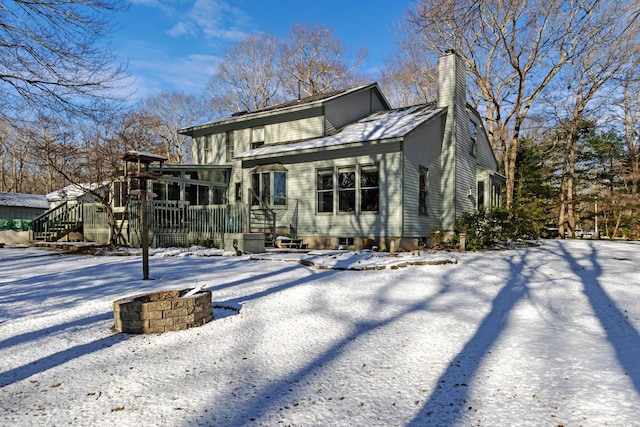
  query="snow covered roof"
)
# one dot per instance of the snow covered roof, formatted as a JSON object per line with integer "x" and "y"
{"x": 74, "y": 191}
{"x": 379, "y": 126}
{"x": 24, "y": 200}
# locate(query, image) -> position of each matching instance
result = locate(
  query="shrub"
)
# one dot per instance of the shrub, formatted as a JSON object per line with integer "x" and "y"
{"x": 486, "y": 228}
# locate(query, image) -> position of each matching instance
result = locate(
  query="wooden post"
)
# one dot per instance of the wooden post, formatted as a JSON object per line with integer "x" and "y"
{"x": 144, "y": 238}
{"x": 143, "y": 173}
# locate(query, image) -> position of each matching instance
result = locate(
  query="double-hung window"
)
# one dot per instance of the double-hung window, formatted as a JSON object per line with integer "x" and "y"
{"x": 423, "y": 191}
{"x": 369, "y": 188}
{"x": 348, "y": 189}
{"x": 324, "y": 185}
{"x": 257, "y": 137}
{"x": 480, "y": 195}
{"x": 230, "y": 145}
{"x": 473, "y": 133}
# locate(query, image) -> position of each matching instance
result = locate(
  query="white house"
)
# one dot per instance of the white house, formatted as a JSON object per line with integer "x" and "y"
{"x": 344, "y": 169}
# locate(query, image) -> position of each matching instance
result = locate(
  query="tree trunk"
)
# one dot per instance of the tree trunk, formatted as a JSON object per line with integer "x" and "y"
{"x": 571, "y": 148}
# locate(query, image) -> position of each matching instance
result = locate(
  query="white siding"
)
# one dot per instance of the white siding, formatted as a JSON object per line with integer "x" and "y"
{"x": 465, "y": 166}
{"x": 422, "y": 148}
{"x": 486, "y": 157}
{"x": 219, "y": 149}
{"x": 301, "y": 183}
{"x": 351, "y": 108}
{"x": 243, "y": 143}
{"x": 312, "y": 127}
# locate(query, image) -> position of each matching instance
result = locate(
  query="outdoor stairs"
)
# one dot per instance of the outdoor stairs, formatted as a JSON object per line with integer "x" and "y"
{"x": 58, "y": 222}
{"x": 291, "y": 242}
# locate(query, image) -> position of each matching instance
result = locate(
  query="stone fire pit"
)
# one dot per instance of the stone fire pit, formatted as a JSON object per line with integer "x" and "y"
{"x": 162, "y": 312}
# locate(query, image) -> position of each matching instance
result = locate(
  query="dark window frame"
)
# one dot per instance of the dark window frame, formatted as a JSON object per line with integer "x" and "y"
{"x": 473, "y": 137}
{"x": 263, "y": 185}
{"x": 423, "y": 191}
{"x": 348, "y": 190}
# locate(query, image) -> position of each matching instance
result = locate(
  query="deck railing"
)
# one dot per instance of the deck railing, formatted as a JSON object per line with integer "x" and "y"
{"x": 175, "y": 223}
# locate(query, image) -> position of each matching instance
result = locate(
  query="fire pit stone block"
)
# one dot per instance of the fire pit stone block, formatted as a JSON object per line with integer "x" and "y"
{"x": 163, "y": 311}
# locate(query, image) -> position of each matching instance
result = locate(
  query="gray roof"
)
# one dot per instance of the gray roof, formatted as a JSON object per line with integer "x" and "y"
{"x": 24, "y": 200}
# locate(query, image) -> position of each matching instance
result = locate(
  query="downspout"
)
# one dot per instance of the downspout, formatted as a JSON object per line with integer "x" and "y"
{"x": 402, "y": 192}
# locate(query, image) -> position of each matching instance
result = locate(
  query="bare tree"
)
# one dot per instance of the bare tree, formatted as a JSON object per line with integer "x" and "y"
{"x": 409, "y": 76}
{"x": 248, "y": 78}
{"x": 165, "y": 113}
{"x": 630, "y": 103}
{"x": 513, "y": 51}
{"x": 52, "y": 56}
{"x": 314, "y": 61}
{"x": 87, "y": 154}
{"x": 586, "y": 92}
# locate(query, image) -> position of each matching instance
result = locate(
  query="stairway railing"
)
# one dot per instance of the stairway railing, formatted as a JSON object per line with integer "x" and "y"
{"x": 263, "y": 218}
{"x": 57, "y": 222}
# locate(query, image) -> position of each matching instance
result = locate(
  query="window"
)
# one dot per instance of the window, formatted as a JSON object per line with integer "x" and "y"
{"x": 423, "y": 191}
{"x": 120, "y": 192}
{"x": 270, "y": 187}
{"x": 279, "y": 188}
{"x": 369, "y": 189}
{"x": 255, "y": 187}
{"x": 357, "y": 189}
{"x": 166, "y": 190}
{"x": 257, "y": 137}
{"x": 347, "y": 189}
{"x": 238, "y": 192}
{"x": 496, "y": 189}
{"x": 230, "y": 145}
{"x": 218, "y": 196}
{"x": 265, "y": 189}
{"x": 480, "y": 196}
{"x": 324, "y": 186}
{"x": 473, "y": 131}
{"x": 197, "y": 194}
{"x": 345, "y": 241}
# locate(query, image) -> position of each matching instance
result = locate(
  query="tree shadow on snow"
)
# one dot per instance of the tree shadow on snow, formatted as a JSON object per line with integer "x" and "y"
{"x": 622, "y": 335}
{"x": 45, "y": 363}
{"x": 446, "y": 404}
{"x": 35, "y": 335}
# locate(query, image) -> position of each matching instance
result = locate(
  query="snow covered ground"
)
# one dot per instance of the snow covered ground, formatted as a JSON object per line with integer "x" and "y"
{"x": 542, "y": 336}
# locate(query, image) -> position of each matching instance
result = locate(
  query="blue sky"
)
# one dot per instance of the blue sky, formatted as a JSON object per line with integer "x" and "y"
{"x": 177, "y": 44}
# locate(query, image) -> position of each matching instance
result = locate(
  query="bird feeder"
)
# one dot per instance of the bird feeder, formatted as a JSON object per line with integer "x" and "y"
{"x": 137, "y": 165}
